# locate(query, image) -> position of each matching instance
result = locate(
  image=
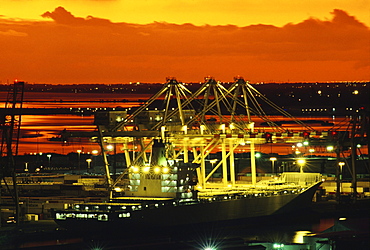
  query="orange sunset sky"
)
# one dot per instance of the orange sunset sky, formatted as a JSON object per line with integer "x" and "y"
{"x": 121, "y": 41}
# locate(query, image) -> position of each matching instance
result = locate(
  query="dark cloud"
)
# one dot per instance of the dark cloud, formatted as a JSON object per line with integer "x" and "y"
{"x": 62, "y": 16}
{"x": 85, "y": 49}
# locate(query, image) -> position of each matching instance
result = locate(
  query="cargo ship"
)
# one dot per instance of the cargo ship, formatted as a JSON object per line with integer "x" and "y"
{"x": 165, "y": 194}
{"x": 170, "y": 188}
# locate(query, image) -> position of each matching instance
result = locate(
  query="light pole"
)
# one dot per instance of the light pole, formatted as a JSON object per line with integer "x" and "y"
{"x": 273, "y": 159}
{"x": 301, "y": 163}
{"x": 79, "y": 157}
{"x": 341, "y": 164}
{"x": 340, "y": 177}
{"x": 49, "y": 156}
{"x": 88, "y": 164}
{"x": 213, "y": 161}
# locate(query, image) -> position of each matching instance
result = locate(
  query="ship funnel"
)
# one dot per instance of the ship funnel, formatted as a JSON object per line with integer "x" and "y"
{"x": 158, "y": 154}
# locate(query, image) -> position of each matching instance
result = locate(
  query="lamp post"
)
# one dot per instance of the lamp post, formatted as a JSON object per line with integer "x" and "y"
{"x": 49, "y": 157}
{"x": 213, "y": 161}
{"x": 88, "y": 164}
{"x": 79, "y": 157}
{"x": 273, "y": 159}
{"x": 301, "y": 163}
{"x": 341, "y": 164}
{"x": 340, "y": 177}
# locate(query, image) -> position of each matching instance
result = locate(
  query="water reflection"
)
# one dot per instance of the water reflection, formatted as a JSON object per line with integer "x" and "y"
{"x": 39, "y": 132}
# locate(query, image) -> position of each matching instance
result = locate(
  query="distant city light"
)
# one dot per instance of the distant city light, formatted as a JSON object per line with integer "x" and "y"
{"x": 330, "y": 148}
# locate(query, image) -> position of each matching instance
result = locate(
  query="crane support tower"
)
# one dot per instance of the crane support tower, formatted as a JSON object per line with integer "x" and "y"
{"x": 10, "y": 122}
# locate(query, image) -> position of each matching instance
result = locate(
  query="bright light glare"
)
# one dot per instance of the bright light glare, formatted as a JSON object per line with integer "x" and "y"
{"x": 146, "y": 169}
{"x": 299, "y": 236}
{"x": 301, "y": 161}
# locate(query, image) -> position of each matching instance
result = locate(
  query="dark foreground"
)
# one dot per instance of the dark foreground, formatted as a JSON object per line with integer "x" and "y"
{"x": 46, "y": 234}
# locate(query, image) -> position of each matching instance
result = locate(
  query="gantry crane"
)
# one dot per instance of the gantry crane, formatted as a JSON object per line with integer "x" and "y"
{"x": 214, "y": 118}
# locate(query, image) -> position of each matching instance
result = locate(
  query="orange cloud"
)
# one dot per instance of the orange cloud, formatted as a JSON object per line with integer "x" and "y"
{"x": 69, "y": 49}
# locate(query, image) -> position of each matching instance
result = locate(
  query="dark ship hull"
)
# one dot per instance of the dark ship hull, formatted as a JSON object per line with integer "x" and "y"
{"x": 136, "y": 213}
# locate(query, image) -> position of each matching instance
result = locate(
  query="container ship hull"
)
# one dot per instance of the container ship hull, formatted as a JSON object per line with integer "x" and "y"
{"x": 169, "y": 213}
